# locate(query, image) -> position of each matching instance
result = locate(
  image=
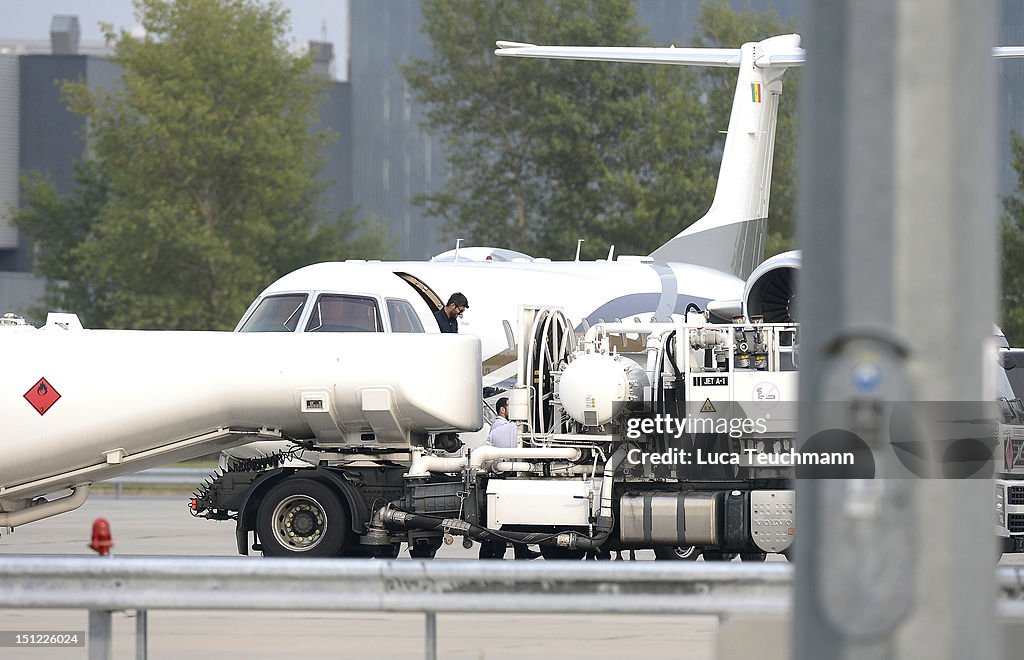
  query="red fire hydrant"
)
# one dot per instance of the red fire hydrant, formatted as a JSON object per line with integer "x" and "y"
{"x": 101, "y": 541}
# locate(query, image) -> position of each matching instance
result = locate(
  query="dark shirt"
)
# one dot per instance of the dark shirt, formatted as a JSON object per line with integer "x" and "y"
{"x": 445, "y": 323}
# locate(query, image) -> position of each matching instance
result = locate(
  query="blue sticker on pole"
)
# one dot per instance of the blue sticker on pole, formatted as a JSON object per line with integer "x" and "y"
{"x": 866, "y": 377}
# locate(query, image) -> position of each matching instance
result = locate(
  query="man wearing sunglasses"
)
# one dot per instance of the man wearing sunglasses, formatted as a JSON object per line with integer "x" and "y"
{"x": 448, "y": 316}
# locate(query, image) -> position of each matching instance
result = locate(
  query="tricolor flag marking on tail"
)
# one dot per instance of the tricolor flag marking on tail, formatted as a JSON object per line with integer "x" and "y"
{"x": 755, "y": 92}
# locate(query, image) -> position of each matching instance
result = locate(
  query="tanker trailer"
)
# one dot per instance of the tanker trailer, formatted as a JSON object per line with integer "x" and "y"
{"x": 79, "y": 406}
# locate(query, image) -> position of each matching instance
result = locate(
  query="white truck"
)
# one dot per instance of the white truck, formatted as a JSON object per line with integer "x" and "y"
{"x": 672, "y": 436}
{"x": 635, "y": 435}
{"x": 1009, "y": 457}
{"x": 79, "y": 406}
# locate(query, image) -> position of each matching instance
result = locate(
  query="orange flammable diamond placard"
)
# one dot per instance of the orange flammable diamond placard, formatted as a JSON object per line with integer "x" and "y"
{"x": 42, "y": 396}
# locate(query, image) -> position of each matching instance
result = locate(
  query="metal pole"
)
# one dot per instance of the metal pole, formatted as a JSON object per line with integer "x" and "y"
{"x": 141, "y": 640}
{"x": 897, "y": 227}
{"x": 431, "y": 650}
{"x": 100, "y": 637}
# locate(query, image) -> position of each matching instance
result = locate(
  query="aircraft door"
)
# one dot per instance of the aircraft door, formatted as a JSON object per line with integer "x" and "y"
{"x": 428, "y": 295}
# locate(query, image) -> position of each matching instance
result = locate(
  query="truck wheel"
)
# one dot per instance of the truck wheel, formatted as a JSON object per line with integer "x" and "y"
{"x": 492, "y": 549}
{"x": 389, "y": 552}
{"x": 354, "y": 551}
{"x": 301, "y": 517}
{"x": 424, "y": 550}
{"x": 678, "y": 552}
{"x": 718, "y": 555}
{"x": 550, "y": 552}
{"x": 752, "y": 556}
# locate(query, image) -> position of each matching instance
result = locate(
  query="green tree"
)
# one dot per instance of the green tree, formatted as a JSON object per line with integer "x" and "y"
{"x": 720, "y": 26}
{"x": 1012, "y": 252}
{"x": 542, "y": 153}
{"x": 201, "y": 183}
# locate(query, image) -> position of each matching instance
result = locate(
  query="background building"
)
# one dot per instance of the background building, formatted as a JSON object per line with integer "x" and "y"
{"x": 382, "y": 158}
{"x": 39, "y": 134}
{"x": 1011, "y": 91}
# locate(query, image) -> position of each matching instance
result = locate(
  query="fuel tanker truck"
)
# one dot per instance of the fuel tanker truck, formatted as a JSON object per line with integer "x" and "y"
{"x": 673, "y": 436}
{"x": 598, "y": 464}
{"x": 79, "y": 406}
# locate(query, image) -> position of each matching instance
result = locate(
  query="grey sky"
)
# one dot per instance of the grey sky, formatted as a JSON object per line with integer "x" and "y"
{"x": 30, "y": 19}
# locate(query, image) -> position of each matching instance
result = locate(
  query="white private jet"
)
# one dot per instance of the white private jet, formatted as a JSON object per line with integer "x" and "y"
{"x": 715, "y": 263}
{"x": 712, "y": 264}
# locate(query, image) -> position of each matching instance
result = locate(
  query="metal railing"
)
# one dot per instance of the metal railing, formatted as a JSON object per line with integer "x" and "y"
{"x": 103, "y": 585}
{"x": 162, "y": 477}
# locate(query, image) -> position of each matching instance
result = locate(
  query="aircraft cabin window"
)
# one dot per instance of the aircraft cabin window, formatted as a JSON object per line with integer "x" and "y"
{"x": 403, "y": 316}
{"x": 276, "y": 314}
{"x": 337, "y": 313}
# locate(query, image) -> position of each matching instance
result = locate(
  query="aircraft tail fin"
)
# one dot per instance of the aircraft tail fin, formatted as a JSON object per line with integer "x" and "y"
{"x": 731, "y": 235}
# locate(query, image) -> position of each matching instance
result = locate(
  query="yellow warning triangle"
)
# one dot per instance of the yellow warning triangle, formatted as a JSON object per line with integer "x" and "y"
{"x": 708, "y": 406}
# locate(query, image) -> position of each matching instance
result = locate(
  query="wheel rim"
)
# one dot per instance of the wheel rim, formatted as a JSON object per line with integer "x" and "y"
{"x": 299, "y": 523}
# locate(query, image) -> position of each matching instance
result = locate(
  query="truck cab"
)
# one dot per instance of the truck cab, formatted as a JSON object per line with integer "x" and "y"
{"x": 1009, "y": 459}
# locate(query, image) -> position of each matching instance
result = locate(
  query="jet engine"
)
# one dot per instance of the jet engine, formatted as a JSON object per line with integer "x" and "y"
{"x": 771, "y": 290}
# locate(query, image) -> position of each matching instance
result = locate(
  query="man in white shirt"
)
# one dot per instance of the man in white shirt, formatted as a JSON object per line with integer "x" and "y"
{"x": 503, "y": 432}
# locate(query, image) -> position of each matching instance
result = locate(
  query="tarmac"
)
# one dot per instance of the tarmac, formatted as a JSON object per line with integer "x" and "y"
{"x": 163, "y": 526}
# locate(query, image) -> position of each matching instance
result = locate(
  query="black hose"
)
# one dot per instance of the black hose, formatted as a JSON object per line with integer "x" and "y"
{"x": 564, "y": 539}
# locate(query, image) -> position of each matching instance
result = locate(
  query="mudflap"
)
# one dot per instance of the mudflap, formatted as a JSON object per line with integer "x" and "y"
{"x": 735, "y": 527}
{"x": 242, "y": 539}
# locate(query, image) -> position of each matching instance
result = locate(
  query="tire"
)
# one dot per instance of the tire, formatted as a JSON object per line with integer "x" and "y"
{"x": 677, "y": 553}
{"x": 1003, "y": 545}
{"x": 718, "y": 555}
{"x": 491, "y": 549}
{"x": 356, "y": 551}
{"x": 753, "y": 556}
{"x": 424, "y": 550}
{"x": 551, "y": 553}
{"x": 302, "y": 518}
{"x": 523, "y": 552}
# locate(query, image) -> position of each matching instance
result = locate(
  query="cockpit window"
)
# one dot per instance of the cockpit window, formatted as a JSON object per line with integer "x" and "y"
{"x": 336, "y": 313}
{"x": 403, "y": 316}
{"x": 276, "y": 314}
